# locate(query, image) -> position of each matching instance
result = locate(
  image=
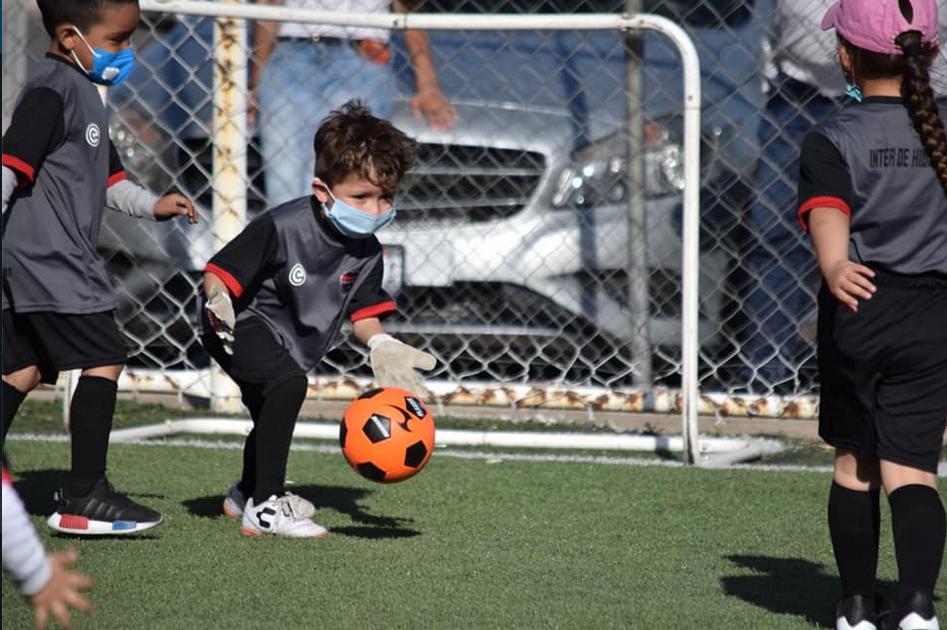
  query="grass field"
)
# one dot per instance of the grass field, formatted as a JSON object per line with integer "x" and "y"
{"x": 469, "y": 543}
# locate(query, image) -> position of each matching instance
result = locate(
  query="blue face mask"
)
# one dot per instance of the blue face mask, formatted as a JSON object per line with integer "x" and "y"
{"x": 356, "y": 223}
{"x": 108, "y": 68}
{"x": 854, "y": 92}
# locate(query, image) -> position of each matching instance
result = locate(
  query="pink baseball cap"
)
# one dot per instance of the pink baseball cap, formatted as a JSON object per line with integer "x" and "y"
{"x": 873, "y": 24}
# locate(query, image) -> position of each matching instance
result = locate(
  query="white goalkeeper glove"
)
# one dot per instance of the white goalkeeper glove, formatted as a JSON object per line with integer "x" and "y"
{"x": 221, "y": 317}
{"x": 394, "y": 364}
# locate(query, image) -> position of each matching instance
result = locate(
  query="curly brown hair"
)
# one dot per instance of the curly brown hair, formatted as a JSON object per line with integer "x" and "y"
{"x": 352, "y": 140}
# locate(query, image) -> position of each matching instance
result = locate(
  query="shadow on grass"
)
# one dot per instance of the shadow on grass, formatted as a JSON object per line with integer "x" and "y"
{"x": 342, "y": 499}
{"x": 789, "y": 586}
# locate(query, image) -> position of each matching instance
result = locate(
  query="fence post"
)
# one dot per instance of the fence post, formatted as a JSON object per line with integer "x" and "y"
{"x": 639, "y": 297}
{"x": 229, "y": 133}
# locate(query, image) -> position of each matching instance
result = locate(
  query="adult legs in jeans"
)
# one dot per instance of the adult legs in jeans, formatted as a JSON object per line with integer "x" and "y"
{"x": 302, "y": 83}
{"x": 780, "y": 261}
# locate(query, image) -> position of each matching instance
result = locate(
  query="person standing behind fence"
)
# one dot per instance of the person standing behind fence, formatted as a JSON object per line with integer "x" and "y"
{"x": 302, "y": 72}
{"x": 804, "y": 87}
{"x": 59, "y": 170}
{"x": 873, "y": 196}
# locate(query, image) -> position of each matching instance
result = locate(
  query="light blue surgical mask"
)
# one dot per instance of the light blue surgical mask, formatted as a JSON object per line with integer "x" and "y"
{"x": 854, "y": 92}
{"x": 108, "y": 68}
{"x": 356, "y": 223}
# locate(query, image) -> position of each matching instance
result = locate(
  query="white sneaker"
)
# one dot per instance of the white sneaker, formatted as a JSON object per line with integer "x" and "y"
{"x": 235, "y": 502}
{"x": 280, "y": 516}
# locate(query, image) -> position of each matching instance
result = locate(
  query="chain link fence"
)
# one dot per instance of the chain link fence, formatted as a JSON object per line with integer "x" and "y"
{"x": 512, "y": 258}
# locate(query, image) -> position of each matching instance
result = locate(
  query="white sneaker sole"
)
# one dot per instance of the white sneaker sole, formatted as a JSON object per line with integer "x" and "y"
{"x": 915, "y": 622}
{"x": 83, "y": 526}
{"x": 248, "y": 531}
{"x": 232, "y": 510}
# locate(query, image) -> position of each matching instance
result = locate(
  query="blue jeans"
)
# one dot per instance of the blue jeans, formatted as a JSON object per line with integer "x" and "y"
{"x": 781, "y": 289}
{"x": 301, "y": 84}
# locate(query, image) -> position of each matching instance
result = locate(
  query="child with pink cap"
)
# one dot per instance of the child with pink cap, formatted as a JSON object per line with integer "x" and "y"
{"x": 873, "y": 196}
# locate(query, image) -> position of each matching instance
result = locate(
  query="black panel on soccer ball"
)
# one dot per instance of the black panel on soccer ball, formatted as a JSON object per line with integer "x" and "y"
{"x": 414, "y": 406}
{"x": 370, "y": 393}
{"x": 371, "y": 471}
{"x": 377, "y": 428}
{"x": 415, "y": 454}
{"x": 343, "y": 431}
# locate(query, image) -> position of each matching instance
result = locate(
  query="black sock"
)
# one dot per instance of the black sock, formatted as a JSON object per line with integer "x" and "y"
{"x": 90, "y": 422}
{"x": 919, "y": 525}
{"x": 274, "y": 433}
{"x": 12, "y": 398}
{"x": 854, "y": 520}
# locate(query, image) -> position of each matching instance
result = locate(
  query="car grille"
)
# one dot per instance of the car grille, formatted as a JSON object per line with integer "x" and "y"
{"x": 459, "y": 184}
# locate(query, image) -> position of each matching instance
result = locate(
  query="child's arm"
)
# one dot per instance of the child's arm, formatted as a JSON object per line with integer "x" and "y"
{"x": 36, "y": 129}
{"x": 9, "y": 185}
{"x": 847, "y": 280}
{"x": 825, "y": 210}
{"x": 233, "y": 269}
{"x": 44, "y": 579}
{"x": 393, "y": 362}
{"x": 136, "y": 201}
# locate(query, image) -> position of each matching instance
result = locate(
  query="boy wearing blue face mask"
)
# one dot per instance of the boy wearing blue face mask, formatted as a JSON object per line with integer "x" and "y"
{"x": 278, "y": 294}
{"x": 59, "y": 170}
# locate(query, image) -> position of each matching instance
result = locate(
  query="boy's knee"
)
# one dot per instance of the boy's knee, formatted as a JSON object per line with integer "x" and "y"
{"x": 856, "y": 473}
{"x": 24, "y": 380}
{"x": 293, "y": 386}
{"x": 111, "y": 372}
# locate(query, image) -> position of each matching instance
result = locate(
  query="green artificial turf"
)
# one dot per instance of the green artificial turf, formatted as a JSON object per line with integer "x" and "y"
{"x": 465, "y": 544}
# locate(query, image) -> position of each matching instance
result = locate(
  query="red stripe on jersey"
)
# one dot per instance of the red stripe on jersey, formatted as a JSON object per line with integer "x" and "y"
{"x": 375, "y": 310}
{"x": 115, "y": 178}
{"x": 821, "y": 202}
{"x": 235, "y": 288}
{"x": 7, "y": 477}
{"x": 24, "y": 169}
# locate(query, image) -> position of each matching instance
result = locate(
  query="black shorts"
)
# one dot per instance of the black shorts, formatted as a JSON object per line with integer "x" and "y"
{"x": 258, "y": 356}
{"x": 60, "y": 341}
{"x": 883, "y": 370}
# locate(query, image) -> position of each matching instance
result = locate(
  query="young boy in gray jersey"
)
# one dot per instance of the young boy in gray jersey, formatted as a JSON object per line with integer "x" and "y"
{"x": 59, "y": 170}
{"x": 873, "y": 195}
{"x": 277, "y": 296}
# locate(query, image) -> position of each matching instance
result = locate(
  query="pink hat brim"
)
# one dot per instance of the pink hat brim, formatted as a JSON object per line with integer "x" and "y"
{"x": 828, "y": 22}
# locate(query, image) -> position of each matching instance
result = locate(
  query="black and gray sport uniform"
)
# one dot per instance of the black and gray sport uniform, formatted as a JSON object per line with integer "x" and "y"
{"x": 295, "y": 280}
{"x": 58, "y": 145}
{"x": 883, "y": 370}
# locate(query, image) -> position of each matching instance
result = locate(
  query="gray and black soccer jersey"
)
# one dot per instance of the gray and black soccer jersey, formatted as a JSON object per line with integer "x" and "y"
{"x": 291, "y": 268}
{"x": 58, "y": 145}
{"x": 868, "y": 162}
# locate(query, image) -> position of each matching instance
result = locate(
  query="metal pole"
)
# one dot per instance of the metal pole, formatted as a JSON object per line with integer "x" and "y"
{"x": 638, "y": 289}
{"x": 230, "y": 159}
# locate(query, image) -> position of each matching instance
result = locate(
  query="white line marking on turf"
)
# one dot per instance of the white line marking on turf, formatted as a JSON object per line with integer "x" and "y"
{"x": 445, "y": 452}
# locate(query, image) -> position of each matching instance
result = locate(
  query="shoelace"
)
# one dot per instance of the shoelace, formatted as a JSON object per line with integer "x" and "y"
{"x": 293, "y": 506}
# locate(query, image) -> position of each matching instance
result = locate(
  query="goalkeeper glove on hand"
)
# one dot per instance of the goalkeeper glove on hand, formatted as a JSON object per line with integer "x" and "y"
{"x": 221, "y": 317}
{"x": 394, "y": 363}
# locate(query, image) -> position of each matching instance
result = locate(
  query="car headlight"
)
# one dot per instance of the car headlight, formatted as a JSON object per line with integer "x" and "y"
{"x": 597, "y": 175}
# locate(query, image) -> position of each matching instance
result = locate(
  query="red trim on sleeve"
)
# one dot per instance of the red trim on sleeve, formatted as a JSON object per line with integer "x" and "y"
{"x": 228, "y": 279}
{"x": 7, "y": 477}
{"x": 821, "y": 202}
{"x": 374, "y": 311}
{"x": 116, "y": 177}
{"x": 24, "y": 169}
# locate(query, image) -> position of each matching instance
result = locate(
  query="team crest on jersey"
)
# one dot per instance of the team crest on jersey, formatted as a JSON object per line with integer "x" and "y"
{"x": 297, "y": 275}
{"x": 92, "y": 135}
{"x": 347, "y": 279}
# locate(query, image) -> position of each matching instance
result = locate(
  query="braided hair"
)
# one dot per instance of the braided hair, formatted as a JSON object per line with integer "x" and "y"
{"x": 918, "y": 97}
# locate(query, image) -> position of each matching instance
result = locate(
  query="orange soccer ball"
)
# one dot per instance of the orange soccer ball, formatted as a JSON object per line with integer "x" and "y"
{"x": 387, "y": 434}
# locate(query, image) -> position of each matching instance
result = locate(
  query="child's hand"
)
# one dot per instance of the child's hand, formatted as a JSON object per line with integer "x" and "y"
{"x": 394, "y": 362}
{"x": 62, "y": 592}
{"x": 221, "y": 316}
{"x": 174, "y": 205}
{"x": 848, "y": 280}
